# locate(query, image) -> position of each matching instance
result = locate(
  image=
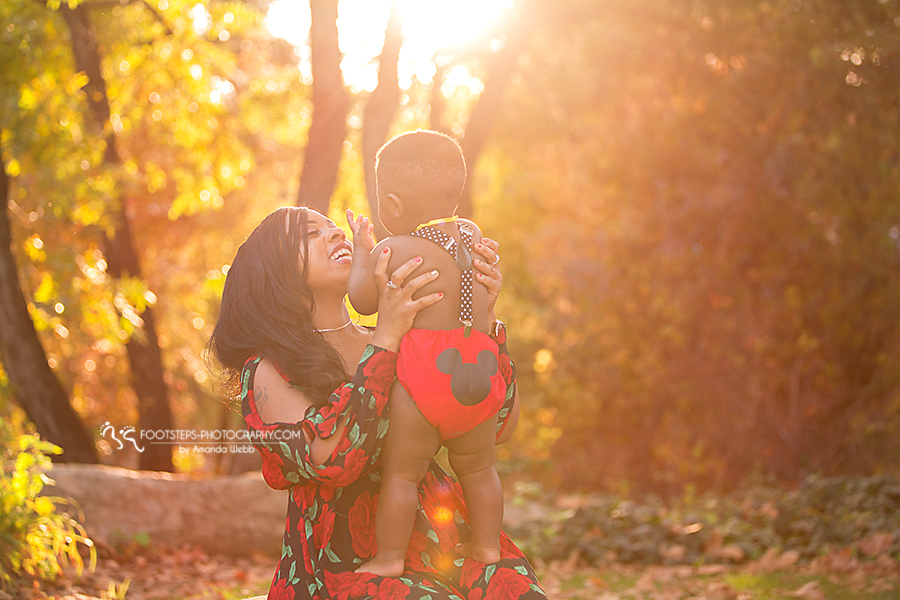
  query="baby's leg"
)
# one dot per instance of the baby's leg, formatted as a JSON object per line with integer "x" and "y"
{"x": 472, "y": 458}
{"x": 411, "y": 443}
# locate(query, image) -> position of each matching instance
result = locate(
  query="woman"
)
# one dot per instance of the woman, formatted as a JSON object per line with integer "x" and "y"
{"x": 285, "y": 337}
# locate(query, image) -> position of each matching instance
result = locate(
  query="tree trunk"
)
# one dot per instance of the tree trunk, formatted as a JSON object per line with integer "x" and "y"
{"x": 381, "y": 108}
{"x": 485, "y": 111}
{"x": 144, "y": 353}
{"x": 436, "y": 98}
{"x": 330, "y": 105}
{"x": 34, "y": 385}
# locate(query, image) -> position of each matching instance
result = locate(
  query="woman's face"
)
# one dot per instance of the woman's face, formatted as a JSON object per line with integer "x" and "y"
{"x": 329, "y": 251}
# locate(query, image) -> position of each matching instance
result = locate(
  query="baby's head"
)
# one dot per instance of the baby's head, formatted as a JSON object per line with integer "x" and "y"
{"x": 419, "y": 176}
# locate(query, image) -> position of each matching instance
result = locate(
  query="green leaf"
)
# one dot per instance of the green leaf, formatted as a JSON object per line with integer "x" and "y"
{"x": 383, "y": 426}
{"x": 489, "y": 572}
{"x": 353, "y": 434}
{"x": 331, "y": 555}
{"x": 369, "y": 351}
{"x": 285, "y": 449}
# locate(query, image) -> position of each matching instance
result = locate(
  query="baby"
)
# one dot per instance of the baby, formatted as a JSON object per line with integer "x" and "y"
{"x": 449, "y": 388}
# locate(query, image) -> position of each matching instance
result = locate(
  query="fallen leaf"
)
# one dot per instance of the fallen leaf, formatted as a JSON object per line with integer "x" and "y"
{"x": 808, "y": 590}
{"x": 719, "y": 590}
{"x": 773, "y": 561}
{"x": 674, "y": 552}
{"x": 571, "y": 562}
{"x": 706, "y": 570}
{"x": 882, "y": 585}
{"x": 787, "y": 559}
{"x": 730, "y": 552}
{"x": 841, "y": 561}
{"x": 883, "y": 566}
{"x": 769, "y": 509}
{"x": 876, "y": 543}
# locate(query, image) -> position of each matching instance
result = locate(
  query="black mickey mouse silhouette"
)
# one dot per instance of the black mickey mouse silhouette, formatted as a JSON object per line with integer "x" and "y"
{"x": 469, "y": 382}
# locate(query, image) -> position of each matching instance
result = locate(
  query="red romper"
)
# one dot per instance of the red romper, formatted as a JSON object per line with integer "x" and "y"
{"x": 453, "y": 378}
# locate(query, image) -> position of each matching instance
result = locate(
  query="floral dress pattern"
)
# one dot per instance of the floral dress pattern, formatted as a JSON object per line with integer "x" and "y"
{"x": 330, "y": 528}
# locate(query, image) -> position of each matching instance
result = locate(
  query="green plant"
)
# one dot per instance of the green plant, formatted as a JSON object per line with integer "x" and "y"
{"x": 821, "y": 516}
{"x": 116, "y": 591}
{"x": 34, "y": 537}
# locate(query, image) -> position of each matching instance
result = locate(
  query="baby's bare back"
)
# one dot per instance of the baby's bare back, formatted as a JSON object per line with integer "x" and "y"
{"x": 444, "y": 314}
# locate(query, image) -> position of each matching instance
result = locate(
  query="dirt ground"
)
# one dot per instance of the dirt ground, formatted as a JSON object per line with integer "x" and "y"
{"x": 188, "y": 574}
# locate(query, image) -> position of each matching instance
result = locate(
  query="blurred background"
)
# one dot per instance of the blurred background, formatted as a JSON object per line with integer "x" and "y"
{"x": 698, "y": 206}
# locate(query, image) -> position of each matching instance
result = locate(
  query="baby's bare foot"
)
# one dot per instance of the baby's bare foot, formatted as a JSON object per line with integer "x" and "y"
{"x": 383, "y": 568}
{"x": 483, "y": 554}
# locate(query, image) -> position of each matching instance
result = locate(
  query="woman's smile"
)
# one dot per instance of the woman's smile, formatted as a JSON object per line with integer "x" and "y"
{"x": 342, "y": 253}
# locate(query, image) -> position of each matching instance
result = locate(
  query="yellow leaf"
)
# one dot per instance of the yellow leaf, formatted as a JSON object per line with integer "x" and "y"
{"x": 13, "y": 168}
{"x": 43, "y": 506}
{"x": 27, "y": 98}
{"x": 46, "y": 291}
{"x": 78, "y": 81}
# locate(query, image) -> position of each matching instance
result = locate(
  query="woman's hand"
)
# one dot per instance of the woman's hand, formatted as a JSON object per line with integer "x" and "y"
{"x": 488, "y": 272}
{"x": 396, "y": 308}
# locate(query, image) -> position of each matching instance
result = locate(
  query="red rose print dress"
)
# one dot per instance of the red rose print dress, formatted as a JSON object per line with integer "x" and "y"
{"x": 330, "y": 528}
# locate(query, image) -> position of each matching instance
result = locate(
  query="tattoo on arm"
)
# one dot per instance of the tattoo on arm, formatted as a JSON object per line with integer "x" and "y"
{"x": 260, "y": 396}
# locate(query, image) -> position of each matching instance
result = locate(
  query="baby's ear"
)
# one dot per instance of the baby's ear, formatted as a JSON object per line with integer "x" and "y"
{"x": 488, "y": 362}
{"x": 395, "y": 205}
{"x": 449, "y": 361}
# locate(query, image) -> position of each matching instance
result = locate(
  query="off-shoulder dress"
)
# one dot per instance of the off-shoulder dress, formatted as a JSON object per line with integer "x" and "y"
{"x": 330, "y": 528}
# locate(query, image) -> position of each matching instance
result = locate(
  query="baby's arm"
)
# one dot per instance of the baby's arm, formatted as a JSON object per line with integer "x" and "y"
{"x": 361, "y": 286}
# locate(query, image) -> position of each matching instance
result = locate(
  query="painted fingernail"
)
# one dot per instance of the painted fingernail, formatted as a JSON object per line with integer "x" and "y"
{"x": 477, "y": 245}
{"x": 418, "y": 259}
{"x": 435, "y": 273}
{"x": 386, "y": 250}
{"x": 440, "y": 294}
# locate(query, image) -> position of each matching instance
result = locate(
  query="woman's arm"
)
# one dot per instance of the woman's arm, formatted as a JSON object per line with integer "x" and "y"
{"x": 508, "y": 427}
{"x": 331, "y": 444}
{"x": 279, "y": 402}
{"x": 489, "y": 274}
{"x": 509, "y": 412}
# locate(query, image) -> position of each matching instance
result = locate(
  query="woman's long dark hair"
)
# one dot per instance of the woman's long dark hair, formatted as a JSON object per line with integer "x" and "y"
{"x": 267, "y": 310}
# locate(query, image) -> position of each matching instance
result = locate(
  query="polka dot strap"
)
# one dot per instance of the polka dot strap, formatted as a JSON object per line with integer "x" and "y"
{"x": 463, "y": 256}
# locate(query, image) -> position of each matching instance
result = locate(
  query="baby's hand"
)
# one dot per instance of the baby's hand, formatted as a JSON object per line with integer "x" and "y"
{"x": 363, "y": 241}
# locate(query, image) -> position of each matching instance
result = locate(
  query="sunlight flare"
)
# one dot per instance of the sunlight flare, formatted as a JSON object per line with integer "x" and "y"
{"x": 429, "y": 27}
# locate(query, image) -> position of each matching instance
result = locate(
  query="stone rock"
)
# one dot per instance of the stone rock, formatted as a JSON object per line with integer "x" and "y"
{"x": 232, "y": 515}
